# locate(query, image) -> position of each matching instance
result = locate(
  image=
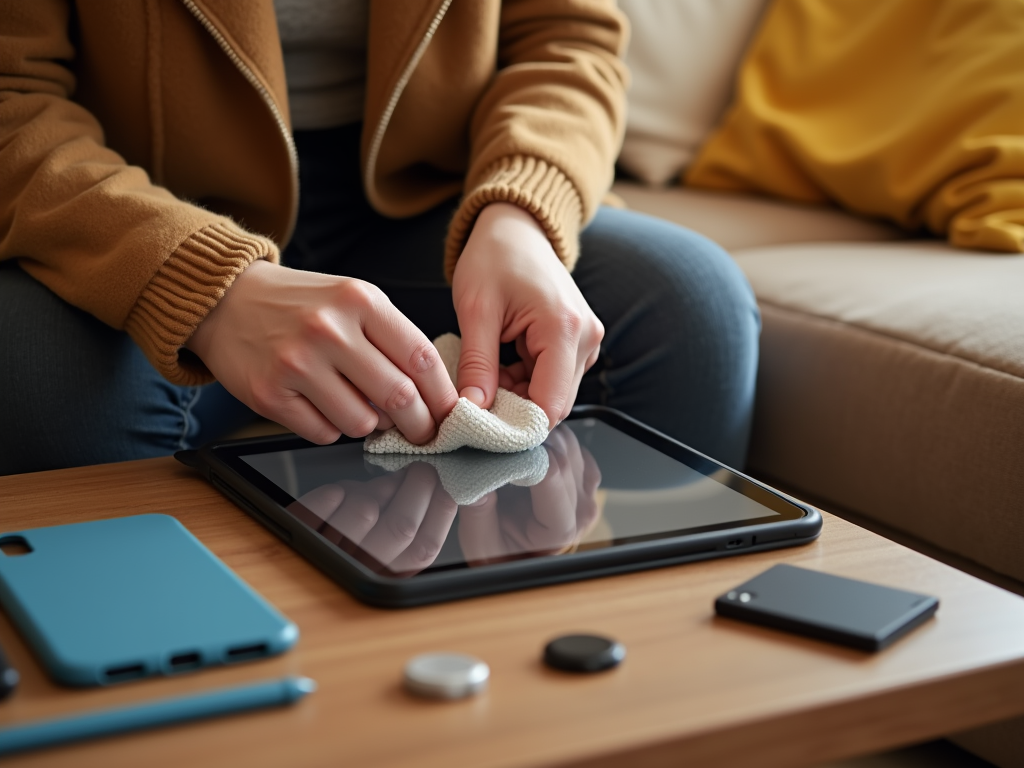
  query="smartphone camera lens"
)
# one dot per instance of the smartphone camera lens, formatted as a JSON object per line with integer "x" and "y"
{"x": 743, "y": 597}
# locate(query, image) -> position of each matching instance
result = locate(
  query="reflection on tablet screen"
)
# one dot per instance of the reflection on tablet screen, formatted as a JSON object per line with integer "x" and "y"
{"x": 588, "y": 486}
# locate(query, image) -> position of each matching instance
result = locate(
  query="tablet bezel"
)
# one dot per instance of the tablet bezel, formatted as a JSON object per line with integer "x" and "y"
{"x": 792, "y": 523}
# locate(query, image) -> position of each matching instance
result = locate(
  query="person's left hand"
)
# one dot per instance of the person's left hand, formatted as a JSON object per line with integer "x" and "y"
{"x": 510, "y": 286}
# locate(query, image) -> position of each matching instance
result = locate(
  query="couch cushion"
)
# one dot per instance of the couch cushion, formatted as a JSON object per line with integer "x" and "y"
{"x": 737, "y": 221}
{"x": 892, "y": 384}
{"x": 683, "y": 56}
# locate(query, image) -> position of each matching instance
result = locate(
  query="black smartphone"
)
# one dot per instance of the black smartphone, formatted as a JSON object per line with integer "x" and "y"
{"x": 833, "y": 608}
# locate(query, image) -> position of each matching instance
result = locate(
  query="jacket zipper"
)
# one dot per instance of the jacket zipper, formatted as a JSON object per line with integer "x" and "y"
{"x": 396, "y": 94}
{"x": 268, "y": 99}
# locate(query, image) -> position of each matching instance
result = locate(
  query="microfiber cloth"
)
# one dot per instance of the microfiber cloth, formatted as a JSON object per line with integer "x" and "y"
{"x": 512, "y": 425}
{"x": 468, "y": 476}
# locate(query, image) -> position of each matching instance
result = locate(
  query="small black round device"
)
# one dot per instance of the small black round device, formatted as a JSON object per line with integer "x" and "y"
{"x": 583, "y": 653}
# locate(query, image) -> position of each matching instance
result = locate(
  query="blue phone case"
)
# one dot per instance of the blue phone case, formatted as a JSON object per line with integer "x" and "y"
{"x": 112, "y": 600}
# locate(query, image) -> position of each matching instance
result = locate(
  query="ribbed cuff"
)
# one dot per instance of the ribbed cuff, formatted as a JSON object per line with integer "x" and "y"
{"x": 535, "y": 186}
{"x": 184, "y": 290}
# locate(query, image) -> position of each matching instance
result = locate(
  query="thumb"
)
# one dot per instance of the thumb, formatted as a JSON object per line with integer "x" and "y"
{"x": 479, "y": 359}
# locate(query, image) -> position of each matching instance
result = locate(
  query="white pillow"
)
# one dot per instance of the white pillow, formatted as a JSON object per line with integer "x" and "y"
{"x": 683, "y": 55}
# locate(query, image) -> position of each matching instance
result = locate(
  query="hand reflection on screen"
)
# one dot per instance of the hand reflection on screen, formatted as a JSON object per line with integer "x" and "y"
{"x": 400, "y": 519}
{"x": 549, "y": 517}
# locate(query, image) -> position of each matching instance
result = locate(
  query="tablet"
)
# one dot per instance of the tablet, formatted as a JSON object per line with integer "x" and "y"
{"x": 603, "y": 495}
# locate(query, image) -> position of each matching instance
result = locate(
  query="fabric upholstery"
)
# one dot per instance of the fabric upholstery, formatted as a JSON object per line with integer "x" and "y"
{"x": 747, "y": 221}
{"x": 966, "y": 305}
{"x": 892, "y": 383}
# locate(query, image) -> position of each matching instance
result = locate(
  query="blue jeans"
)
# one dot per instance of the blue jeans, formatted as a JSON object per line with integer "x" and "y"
{"x": 680, "y": 350}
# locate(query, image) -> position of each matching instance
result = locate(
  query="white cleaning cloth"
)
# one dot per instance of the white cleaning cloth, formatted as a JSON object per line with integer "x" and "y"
{"x": 468, "y": 476}
{"x": 513, "y": 424}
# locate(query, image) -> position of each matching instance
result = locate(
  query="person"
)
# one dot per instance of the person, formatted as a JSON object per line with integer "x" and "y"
{"x": 452, "y": 159}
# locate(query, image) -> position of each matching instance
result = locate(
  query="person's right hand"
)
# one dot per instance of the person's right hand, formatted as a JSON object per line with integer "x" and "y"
{"x": 324, "y": 356}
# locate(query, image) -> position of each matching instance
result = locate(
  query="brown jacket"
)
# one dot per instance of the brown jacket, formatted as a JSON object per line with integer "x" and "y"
{"x": 146, "y": 155}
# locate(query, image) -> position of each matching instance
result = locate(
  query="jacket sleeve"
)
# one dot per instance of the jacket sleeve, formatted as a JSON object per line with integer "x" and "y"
{"x": 546, "y": 132}
{"x": 90, "y": 227}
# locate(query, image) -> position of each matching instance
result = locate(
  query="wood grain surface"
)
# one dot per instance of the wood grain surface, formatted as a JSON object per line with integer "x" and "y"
{"x": 693, "y": 690}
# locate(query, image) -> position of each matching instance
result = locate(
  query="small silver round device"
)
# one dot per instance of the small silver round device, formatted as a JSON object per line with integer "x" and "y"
{"x": 446, "y": 675}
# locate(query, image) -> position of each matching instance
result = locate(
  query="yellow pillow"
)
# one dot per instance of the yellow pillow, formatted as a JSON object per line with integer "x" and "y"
{"x": 911, "y": 110}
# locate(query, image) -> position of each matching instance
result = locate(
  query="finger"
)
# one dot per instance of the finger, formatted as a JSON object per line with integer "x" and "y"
{"x": 390, "y": 389}
{"x": 412, "y": 353}
{"x": 588, "y": 352}
{"x": 517, "y": 372}
{"x": 554, "y": 381}
{"x": 340, "y": 402}
{"x": 574, "y": 389}
{"x": 505, "y": 380}
{"x": 293, "y": 410}
{"x": 433, "y": 531}
{"x": 478, "y": 361}
{"x": 401, "y": 518}
{"x": 383, "y": 420}
{"x": 525, "y": 356}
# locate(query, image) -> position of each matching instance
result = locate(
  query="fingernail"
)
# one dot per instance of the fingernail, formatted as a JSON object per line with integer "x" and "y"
{"x": 475, "y": 395}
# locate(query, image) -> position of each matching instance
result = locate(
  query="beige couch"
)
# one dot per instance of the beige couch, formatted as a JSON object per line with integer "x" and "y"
{"x": 891, "y": 379}
{"x": 891, "y": 382}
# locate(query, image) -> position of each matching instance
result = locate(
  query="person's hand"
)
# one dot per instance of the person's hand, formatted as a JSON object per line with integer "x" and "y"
{"x": 549, "y": 517}
{"x": 324, "y": 356}
{"x": 510, "y": 286}
{"x": 400, "y": 519}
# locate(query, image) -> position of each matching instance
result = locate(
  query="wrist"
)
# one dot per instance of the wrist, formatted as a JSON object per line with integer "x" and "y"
{"x": 494, "y": 214}
{"x": 504, "y": 229}
{"x": 201, "y": 339}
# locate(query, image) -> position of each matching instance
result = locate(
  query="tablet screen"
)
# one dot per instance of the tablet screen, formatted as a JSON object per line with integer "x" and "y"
{"x": 588, "y": 486}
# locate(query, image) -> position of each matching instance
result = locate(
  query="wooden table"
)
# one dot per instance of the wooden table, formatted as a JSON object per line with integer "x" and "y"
{"x": 694, "y": 690}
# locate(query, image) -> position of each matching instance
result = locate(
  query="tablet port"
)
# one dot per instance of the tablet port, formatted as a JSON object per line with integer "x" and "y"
{"x": 243, "y": 652}
{"x": 734, "y": 543}
{"x": 126, "y": 672}
{"x": 182, "y": 661}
